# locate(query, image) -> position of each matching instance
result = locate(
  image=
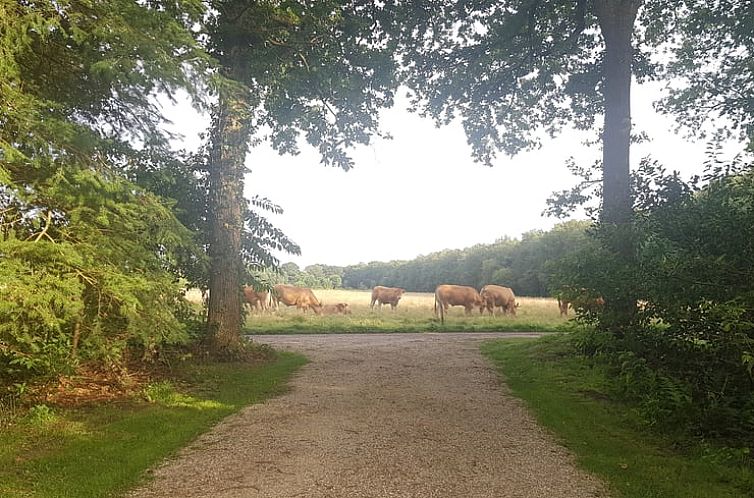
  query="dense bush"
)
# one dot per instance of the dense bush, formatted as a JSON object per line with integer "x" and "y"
{"x": 687, "y": 353}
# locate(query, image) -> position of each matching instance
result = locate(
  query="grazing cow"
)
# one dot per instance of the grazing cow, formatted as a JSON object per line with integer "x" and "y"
{"x": 336, "y": 309}
{"x": 457, "y": 295}
{"x": 386, "y": 295}
{"x": 497, "y": 296}
{"x": 563, "y": 305}
{"x": 579, "y": 299}
{"x": 300, "y": 297}
{"x": 258, "y": 300}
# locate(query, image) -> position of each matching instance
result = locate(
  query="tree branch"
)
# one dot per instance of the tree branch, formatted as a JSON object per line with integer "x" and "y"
{"x": 43, "y": 233}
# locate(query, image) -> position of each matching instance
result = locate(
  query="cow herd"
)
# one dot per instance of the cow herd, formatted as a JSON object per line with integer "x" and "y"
{"x": 291, "y": 295}
{"x": 490, "y": 298}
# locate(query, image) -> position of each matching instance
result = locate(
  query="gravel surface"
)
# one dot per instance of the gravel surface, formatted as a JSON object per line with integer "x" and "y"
{"x": 380, "y": 415}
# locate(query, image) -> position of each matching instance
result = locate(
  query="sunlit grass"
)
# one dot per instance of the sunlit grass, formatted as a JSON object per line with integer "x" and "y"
{"x": 572, "y": 398}
{"x": 415, "y": 313}
{"x": 102, "y": 450}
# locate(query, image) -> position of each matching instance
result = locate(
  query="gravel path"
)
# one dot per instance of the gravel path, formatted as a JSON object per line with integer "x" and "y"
{"x": 379, "y": 415}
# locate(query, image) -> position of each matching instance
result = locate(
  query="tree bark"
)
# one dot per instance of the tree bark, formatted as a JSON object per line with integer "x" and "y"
{"x": 75, "y": 341}
{"x": 230, "y": 142}
{"x": 616, "y": 19}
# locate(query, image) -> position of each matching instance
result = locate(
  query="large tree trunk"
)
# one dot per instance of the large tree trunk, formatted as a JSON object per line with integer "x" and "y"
{"x": 616, "y": 19}
{"x": 230, "y": 140}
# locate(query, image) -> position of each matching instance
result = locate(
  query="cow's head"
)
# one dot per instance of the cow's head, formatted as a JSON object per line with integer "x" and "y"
{"x": 317, "y": 308}
{"x": 481, "y": 302}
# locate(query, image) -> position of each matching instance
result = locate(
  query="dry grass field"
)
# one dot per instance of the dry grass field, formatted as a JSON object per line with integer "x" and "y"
{"x": 414, "y": 314}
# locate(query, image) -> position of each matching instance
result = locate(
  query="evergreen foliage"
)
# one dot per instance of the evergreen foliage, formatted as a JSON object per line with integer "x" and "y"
{"x": 183, "y": 178}
{"x": 88, "y": 260}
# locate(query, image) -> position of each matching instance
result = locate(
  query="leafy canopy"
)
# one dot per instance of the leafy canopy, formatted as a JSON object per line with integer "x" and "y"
{"x": 320, "y": 70}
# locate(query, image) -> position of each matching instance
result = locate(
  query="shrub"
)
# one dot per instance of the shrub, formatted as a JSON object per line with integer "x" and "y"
{"x": 687, "y": 354}
{"x": 99, "y": 282}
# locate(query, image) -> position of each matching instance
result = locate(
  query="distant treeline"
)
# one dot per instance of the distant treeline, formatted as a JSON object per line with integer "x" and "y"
{"x": 525, "y": 265}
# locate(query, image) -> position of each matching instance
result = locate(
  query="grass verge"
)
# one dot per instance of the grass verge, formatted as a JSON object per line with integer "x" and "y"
{"x": 390, "y": 325}
{"x": 572, "y": 399}
{"x": 103, "y": 450}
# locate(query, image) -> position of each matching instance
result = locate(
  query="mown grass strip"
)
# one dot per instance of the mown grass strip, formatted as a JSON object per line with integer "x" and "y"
{"x": 103, "y": 450}
{"x": 571, "y": 398}
{"x": 357, "y": 325}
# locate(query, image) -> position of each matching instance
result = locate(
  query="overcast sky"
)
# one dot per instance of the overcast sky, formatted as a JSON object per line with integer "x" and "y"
{"x": 421, "y": 192}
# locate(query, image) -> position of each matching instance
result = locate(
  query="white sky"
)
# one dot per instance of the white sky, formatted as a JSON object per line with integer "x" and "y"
{"x": 421, "y": 192}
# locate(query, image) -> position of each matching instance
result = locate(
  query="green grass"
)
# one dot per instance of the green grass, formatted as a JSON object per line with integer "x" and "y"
{"x": 414, "y": 314}
{"x": 103, "y": 450}
{"x": 571, "y": 398}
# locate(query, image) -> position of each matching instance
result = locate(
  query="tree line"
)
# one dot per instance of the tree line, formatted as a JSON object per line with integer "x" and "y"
{"x": 526, "y": 265}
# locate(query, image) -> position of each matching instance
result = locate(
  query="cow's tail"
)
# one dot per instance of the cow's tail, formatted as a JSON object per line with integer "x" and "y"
{"x": 442, "y": 308}
{"x": 275, "y": 298}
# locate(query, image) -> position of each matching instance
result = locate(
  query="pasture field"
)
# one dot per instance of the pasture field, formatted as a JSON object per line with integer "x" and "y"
{"x": 414, "y": 313}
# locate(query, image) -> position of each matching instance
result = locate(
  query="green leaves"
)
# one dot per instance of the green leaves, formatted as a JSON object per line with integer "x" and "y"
{"x": 690, "y": 340}
{"x": 711, "y": 64}
{"x": 314, "y": 70}
{"x": 507, "y": 70}
{"x": 525, "y": 265}
{"x": 106, "y": 267}
{"x": 91, "y": 260}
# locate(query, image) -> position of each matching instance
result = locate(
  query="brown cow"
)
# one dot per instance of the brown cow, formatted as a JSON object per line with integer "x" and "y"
{"x": 336, "y": 309}
{"x": 579, "y": 299}
{"x": 563, "y": 305}
{"x": 457, "y": 295}
{"x": 258, "y": 300}
{"x": 386, "y": 295}
{"x": 300, "y": 297}
{"x": 497, "y": 296}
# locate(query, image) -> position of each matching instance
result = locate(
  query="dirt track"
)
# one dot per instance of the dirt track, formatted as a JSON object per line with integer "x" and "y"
{"x": 379, "y": 415}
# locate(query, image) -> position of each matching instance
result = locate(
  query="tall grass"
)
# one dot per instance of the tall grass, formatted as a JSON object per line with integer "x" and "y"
{"x": 414, "y": 314}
